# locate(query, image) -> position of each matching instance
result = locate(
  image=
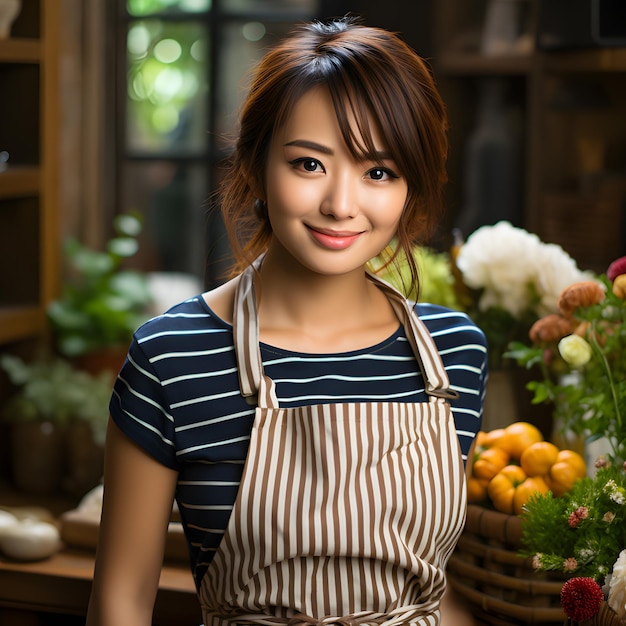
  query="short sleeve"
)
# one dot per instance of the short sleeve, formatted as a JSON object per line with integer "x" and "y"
{"x": 140, "y": 409}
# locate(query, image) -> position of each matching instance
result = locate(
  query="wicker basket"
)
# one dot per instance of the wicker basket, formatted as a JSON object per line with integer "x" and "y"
{"x": 604, "y": 617}
{"x": 500, "y": 587}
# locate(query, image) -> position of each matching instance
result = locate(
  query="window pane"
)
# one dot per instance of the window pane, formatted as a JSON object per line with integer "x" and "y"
{"x": 149, "y": 7}
{"x": 269, "y": 5}
{"x": 167, "y": 88}
{"x": 172, "y": 198}
{"x": 243, "y": 44}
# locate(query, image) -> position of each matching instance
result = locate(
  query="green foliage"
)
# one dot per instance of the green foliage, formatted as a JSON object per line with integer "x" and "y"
{"x": 501, "y": 328}
{"x": 582, "y": 532}
{"x": 437, "y": 285}
{"x": 51, "y": 389}
{"x": 101, "y": 304}
{"x": 147, "y": 7}
{"x": 590, "y": 400}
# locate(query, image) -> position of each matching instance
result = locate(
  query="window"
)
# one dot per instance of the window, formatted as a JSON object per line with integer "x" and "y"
{"x": 180, "y": 75}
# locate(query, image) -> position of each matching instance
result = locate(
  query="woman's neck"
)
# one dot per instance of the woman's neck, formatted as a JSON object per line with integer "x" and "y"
{"x": 304, "y": 311}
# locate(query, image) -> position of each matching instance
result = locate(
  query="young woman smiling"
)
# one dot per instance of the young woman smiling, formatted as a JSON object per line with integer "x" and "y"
{"x": 311, "y": 423}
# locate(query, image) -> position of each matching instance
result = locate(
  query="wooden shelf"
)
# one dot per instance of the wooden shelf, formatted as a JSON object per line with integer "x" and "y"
{"x": 586, "y": 61}
{"x": 20, "y": 181}
{"x": 476, "y": 64}
{"x": 29, "y": 193}
{"x": 21, "y": 322}
{"x": 549, "y": 100}
{"x": 20, "y": 51}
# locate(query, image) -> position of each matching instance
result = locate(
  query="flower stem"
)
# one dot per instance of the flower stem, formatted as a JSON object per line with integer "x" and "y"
{"x": 607, "y": 369}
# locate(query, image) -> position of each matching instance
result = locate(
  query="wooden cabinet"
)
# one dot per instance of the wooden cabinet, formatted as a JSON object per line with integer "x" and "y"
{"x": 571, "y": 139}
{"x": 29, "y": 127}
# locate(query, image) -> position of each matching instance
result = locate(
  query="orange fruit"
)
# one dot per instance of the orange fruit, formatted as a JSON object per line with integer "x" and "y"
{"x": 502, "y": 486}
{"x": 566, "y": 471}
{"x": 532, "y": 485}
{"x": 490, "y": 438}
{"x": 518, "y": 436}
{"x": 575, "y": 459}
{"x": 489, "y": 462}
{"x": 538, "y": 458}
{"x": 476, "y": 489}
{"x": 480, "y": 439}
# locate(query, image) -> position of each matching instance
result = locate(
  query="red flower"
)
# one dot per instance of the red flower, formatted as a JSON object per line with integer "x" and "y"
{"x": 577, "y": 516}
{"x": 616, "y": 268}
{"x": 581, "y": 598}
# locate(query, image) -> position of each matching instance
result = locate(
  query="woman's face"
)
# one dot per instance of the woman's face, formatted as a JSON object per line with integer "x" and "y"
{"x": 329, "y": 212}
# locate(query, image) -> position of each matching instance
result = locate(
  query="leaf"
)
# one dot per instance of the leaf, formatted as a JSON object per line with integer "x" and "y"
{"x": 123, "y": 246}
{"x": 128, "y": 224}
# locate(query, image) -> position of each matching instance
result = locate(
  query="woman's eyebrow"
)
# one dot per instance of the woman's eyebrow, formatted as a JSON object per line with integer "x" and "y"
{"x": 311, "y": 145}
{"x": 381, "y": 155}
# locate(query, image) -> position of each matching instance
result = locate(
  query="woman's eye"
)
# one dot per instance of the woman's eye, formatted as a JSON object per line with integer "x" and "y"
{"x": 308, "y": 165}
{"x": 381, "y": 173}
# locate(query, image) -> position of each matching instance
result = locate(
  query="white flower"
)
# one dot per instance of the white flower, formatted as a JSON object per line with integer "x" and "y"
{"x": 513, "y": 267}
{"x": 617, "y": 586}
{"x": 501, "y": 259}
{"x": 614, "y": 492}
{"x": 558, "y": 270}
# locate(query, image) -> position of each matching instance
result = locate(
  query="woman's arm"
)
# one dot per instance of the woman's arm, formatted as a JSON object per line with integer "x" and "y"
{"x": 138, "y": 496}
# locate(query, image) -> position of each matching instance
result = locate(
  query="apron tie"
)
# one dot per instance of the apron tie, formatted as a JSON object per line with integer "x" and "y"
{"x": 367, "y": 618}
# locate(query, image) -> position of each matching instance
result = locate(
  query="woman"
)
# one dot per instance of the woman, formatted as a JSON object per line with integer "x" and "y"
{"x": 300, "y": 414}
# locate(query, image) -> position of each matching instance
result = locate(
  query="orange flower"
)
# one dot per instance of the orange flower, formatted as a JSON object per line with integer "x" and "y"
{"x": 550, "y": 328}
{"x": 581, "y": 294}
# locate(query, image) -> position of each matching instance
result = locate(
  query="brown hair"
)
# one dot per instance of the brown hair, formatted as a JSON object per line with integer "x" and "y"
{"x": 371, "y": 74}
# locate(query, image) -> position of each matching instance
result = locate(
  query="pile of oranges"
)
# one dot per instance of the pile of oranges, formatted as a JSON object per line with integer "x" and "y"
{"x": 512, "y": 463}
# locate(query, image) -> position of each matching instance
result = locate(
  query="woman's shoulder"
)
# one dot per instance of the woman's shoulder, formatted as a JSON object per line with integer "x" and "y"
{"x": 441, "y": 319}
{"x": 186, "y": 316}
{"x": 457, "y": 337}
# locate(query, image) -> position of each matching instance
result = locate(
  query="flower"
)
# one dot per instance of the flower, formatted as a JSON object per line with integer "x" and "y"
{"x": 516, "y": 279}
{"x": 581, "y": 598}
{"x": 580, "y": 352}
{"x": 515, "y": 269}
{"x": 577, "y": 516}
{"x": 575, "y": 350}
{"x": 619, "y": 286}
{"x": 500, "y": 260}
{"x": 617, "y": 586}
{"x": 617, "y": 268}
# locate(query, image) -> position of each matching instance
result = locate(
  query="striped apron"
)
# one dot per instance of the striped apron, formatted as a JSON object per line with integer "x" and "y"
{"x": 346, "y": 513}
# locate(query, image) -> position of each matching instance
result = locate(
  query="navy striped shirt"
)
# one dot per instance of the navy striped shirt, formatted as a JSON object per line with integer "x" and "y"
{"x": 177, "y": 396}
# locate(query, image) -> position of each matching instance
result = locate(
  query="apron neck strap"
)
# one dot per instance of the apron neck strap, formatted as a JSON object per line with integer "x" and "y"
{"x": 436, "y": 379}
{"x": 260, "y": 390}
{"x": 256, "y": 388}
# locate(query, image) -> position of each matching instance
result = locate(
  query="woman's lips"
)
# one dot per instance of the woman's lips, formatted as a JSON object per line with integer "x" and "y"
{"x": 334, "y": 239}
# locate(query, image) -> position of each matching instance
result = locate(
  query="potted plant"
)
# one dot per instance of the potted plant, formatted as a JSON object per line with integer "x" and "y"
{"x": 58, "y": 418}
{"x": 101, "y": 303}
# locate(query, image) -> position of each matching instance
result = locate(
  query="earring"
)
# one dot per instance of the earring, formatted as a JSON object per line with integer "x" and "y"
{"x": 260, "y": 209}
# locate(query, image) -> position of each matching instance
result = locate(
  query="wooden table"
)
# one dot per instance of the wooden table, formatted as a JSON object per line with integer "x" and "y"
{"x": 34, "y": 593}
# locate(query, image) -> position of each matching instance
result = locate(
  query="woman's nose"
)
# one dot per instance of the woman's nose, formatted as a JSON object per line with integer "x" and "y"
{"x": 341, "y": 198}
